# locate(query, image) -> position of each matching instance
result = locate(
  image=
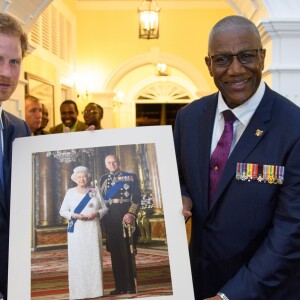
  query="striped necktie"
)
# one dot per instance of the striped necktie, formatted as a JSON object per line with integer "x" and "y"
{"x": 220, "y": 155}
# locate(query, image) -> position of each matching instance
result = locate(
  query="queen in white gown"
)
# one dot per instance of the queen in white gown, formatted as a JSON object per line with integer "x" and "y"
{"x": 85, "y": 241}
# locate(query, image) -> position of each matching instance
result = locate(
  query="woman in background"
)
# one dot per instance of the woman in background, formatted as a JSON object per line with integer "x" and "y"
{"x": 83, "y": 207}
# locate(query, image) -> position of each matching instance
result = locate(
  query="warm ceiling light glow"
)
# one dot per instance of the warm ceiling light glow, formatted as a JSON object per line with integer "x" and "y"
{"x": 162, "y": 69}
{"x": 148, "y": 20}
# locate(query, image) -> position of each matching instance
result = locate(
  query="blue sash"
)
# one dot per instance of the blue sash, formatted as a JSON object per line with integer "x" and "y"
{"x": 113, "y": 190}
{"x": 123, "y": 177}
{"x": 78, "y": 210}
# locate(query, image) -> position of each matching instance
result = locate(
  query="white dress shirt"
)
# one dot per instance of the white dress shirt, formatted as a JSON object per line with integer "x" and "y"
{"x": 243, "y": 114}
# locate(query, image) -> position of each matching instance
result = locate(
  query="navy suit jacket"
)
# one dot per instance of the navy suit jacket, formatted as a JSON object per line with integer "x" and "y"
{"x": 247, "y": 244}
{"x": 13, "y": 127}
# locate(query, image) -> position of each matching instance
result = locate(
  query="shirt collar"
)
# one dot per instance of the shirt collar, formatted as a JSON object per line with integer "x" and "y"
{"x": 245, "y": 111}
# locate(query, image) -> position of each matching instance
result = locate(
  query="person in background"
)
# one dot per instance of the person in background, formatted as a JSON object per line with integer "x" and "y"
{"x": 45, "y": 120}
{"x": 93, "y": 114}
{"x": 13, "y": 47}
{"x": 245, "y": 239}
{"x": 84, "y": 207}
{"x": 33, "y": 113}
{"x": 69, "y": 115}
{"x": 121, "y": 193}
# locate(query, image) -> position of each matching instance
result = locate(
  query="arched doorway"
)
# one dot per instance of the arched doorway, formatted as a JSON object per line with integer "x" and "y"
{"x": 158, "y": 103}
{"x": 137, "y": 88}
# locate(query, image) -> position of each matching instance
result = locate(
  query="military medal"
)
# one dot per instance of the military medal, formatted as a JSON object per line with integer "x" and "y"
{"x": 260, "y": 172}
{"x": 238, "y": 171}
{"x": 276, "y": 175}
{"x": 271, "y": 174}
{"x": 249, "y": 171}
{"x": 255, "y": 171}
{"x": 265, "y": 173}
{"x": 126, "y": 178}
{"x": 280, "y": 174}
{"x": 244, "y": 171}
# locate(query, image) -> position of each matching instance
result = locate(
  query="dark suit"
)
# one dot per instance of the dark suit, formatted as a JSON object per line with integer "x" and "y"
{"x": 59, "y": 128}
{"x": 124, "y": 188}
{"x": 12, "y": 128}
{"x": 41, "y": 132}
{"x": 248, "y": 243}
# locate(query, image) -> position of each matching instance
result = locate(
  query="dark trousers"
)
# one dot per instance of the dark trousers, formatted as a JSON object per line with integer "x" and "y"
{"x": 3, "y": 263}
{"x": 123, "y": 261}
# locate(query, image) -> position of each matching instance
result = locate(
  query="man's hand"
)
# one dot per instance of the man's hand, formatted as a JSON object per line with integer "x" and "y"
{"x": 187, "y": 206}
{"x": 128, "y": 218}
{"x": 214, "y": 298}
{"x": 90, "y": 128}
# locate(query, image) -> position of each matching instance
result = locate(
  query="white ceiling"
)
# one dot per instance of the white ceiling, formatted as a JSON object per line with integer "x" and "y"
{"x": 27, "y": 11}
{"x": 130, "y": 4}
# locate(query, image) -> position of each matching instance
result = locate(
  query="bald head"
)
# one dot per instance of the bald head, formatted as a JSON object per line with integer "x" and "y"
{"x": 233, "y": 23}
{"x": 235, "y": 59}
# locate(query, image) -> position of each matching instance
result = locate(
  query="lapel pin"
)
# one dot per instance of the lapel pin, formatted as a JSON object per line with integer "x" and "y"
{"x": 259, "y": 132}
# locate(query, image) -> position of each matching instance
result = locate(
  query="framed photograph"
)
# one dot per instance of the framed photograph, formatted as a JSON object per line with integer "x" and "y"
{"x": 42, "y": 251}
{"x": 44, "y": 91}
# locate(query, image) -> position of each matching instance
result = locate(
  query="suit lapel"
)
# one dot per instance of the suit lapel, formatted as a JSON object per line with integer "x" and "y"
{"x": 204, "y": 132}
{"x": 248, "y": 141}
{"x": 7, "y": 138}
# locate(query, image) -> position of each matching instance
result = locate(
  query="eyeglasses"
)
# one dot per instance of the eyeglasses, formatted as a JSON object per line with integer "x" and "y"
{"x": 86, "y": 112}
{"x": 244, "y": 57}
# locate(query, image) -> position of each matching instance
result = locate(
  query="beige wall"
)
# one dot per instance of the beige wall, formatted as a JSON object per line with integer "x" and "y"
{"x": 105, "y": 39}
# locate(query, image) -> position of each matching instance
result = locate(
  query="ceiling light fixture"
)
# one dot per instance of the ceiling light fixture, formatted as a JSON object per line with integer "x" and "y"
{"x": 148, "y": 20}
{"x": 162, "y": 69}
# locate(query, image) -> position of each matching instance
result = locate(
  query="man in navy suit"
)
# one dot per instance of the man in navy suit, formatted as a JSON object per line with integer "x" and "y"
{"x": 13, "y": 46}
{"x": 245, "y": 241}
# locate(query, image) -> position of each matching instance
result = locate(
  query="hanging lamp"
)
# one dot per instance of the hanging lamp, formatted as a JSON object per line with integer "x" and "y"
{"x": 148, "y": 19}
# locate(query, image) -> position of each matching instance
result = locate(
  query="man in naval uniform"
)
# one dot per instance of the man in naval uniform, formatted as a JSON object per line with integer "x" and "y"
{"x": 122, "y": 195}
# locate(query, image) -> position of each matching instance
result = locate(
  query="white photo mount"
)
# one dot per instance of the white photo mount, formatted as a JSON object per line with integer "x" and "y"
{"x": 19, "y": 286}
